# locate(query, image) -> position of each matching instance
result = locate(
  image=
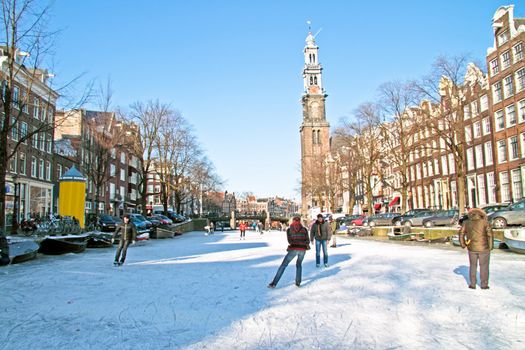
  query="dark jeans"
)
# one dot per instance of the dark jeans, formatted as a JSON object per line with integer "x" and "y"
{"x": 243, "y": 233}
{"x": 318, "y": 245}
{"x": 484, "y": 259}
{"x": 287, "y": 259}
{"x": 122, "y": 248}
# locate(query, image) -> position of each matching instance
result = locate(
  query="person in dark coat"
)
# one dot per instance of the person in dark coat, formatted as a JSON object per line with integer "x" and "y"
{"x": 322, "y": 233}
{"x": 298, "y": 244}
{"x": 128, "y": 234}
{"x": 4, "y": 249}
{"x": 476, "y": 236}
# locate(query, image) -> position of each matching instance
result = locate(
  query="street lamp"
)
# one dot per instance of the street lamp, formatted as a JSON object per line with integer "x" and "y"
{"x": 14, "y": 221}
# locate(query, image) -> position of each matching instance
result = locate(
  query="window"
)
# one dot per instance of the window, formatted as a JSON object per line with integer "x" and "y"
{"x": 479, "y": 156}
{"x": 474, "y": 108}
{"x": 468, "y": 133}
{"x": 494, "y": 67}
{"x": 505, "y": 60}
{"x": 486, "y": 126}
{"x": 48, "y": 171}
{"x": 521, "y": 111}
{"x": 523, "y": 145}
{"x": 34, "y": 138}
{"x": 444, "y": 165}
{"x": 470, "y": 159}
{"x": 41, "y": 169}
{"x": 42, "y": 141}
{"x": 503, "y": 38}
{"x": 518, "y": 52}
{"x": 504, "y": 185}
{"x": 491, "y": 187}
{"x": 500, "y": 120}
{"x": 451, "y": 164}
{"x": 33, "y": 166}
{"x": 16, "y": 96}
{"x": 122, "y": 175}
{"x": 23, "y": 131}
{"x": 502, "y": 151}
{"x": 425, "y": 172}
{"x": 23, "y": 164}
{"x": 517, "y": 191}
{"x": 44, "y": 114}
{"x": 481, "y": 190}
{"x": 466, "y": 112}
{"x": 484, "y": 103}
{"x": 520, "y": 79}
{"x": 112, "y": 170}
{"x": 123, "y": 158}
{"x": 13, "y": 164}
{"x": 418, "y": 171}
{"x": 488, "y": 153}
{"x": 508, "y": 87}
{"x": 36, "y": 108}
{"x": 59, "y": 171}
{"x": 14, "y": 129}
{"x": 49, "y": 143}
{"x": 496, "y": 92}
{"x": 513, "y": 148}
{"x": 477, "y": 129}
{"x": 511, "y": 115}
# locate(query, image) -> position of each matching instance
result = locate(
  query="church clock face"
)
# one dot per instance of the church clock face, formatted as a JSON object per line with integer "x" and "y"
{"x": 314, "y": 110}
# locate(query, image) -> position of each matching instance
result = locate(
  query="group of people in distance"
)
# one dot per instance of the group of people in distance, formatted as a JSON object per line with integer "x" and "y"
{"x": 475, "y": 235}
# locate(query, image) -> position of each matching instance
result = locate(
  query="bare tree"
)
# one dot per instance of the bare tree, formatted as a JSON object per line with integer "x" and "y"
{"x": 344, "y": 148}
{"x": 367, "y": 145}
{"x": 396, "y": 99}
{"x": 148, "y": 118}
{"x": 27, "y": 98}
{"x": 444, "y": 114}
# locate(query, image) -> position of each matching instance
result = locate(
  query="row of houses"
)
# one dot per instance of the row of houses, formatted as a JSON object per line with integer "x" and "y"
{"x": 488, "y": 136}
{"x": 43, "y": 143}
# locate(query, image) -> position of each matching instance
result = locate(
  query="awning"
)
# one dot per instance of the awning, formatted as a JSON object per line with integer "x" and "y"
{"x": 394, "y": 201}
{"x": 377, "y": 206}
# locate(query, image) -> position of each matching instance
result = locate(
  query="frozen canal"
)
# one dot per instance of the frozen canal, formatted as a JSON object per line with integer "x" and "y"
{"x": 209, "y": 292}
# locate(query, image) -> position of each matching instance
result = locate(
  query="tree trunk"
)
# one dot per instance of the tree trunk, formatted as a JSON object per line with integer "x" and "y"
{"x": 3, "y": 169}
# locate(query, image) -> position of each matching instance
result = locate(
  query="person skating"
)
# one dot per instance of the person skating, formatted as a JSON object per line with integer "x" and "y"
{"x": 242, "y": 228}
{"x": 333, "y": 227}
{"x": 128, "y": 234}
{"x": 298, "y": 244}
{"x": 322, "y": 233}
{"x": 476, "y": 236}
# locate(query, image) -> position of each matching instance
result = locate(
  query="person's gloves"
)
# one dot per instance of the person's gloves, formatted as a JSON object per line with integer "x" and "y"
{"x": 112, "y": 240}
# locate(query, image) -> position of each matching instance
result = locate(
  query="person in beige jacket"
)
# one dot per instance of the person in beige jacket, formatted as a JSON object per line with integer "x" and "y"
{"x": 476, "y": 236}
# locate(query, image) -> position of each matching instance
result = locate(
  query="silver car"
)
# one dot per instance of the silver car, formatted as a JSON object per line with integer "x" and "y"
{"x": 514, "y": 214}
{"x": 417, "y": 220}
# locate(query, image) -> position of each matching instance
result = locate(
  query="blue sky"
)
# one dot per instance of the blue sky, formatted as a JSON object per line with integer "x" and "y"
{"x": 233, "y": 68}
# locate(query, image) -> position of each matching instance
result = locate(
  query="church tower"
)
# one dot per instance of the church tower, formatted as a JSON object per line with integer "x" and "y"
{"x": 315, "y": 130}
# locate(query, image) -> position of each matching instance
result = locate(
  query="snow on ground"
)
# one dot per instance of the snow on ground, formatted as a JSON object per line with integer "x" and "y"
{"x": 209, "y": 292}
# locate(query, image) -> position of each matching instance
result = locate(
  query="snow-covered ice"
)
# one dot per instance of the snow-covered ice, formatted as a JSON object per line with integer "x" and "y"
{"x": 209, "y": 292}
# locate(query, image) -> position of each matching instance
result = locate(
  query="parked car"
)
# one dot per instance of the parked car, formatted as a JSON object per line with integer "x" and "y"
{"x": 417, "y": 219}
{"x": 102, "y": 222}
{"x": 514, "y": 214}
{"x": 176, "y": 218}
{"x": 409, "y": 214}
{"x": 164, "y": 220}
{"x": 442, "y": 218}
{"x": 383, "y": 219}
{"x": 359, "y": 221}
{"x": 141, "y": 224}
{"x": 490, "y": 208}
{"x": 154, "y": 221}
{"x": 346, "y": 220}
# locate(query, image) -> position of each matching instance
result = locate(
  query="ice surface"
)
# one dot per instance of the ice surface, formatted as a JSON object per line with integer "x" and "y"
{"x": 209, "y": 292}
